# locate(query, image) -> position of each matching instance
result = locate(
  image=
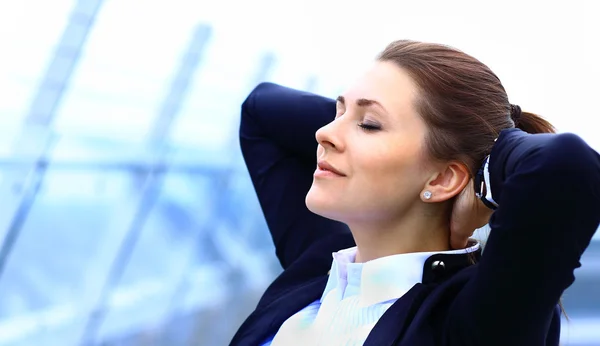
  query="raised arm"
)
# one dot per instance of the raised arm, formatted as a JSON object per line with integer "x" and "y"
{"x": 277, "y": 136}
{"x": 548, "y": 191}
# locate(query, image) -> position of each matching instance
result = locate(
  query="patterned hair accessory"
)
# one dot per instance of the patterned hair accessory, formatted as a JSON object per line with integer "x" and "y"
{"x": 515, "y": 113}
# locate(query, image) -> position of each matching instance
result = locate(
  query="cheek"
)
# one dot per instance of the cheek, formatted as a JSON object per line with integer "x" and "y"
{"x": 391, "y": 173}
{"x": 385, "y": 161}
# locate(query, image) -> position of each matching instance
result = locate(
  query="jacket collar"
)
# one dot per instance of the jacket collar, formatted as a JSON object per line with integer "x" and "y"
{"x": 266, "y": 320}
{"x": 390, "y": 277}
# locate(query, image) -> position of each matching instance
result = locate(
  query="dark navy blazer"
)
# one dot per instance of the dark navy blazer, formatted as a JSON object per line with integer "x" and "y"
{"x": 548, "y": 190}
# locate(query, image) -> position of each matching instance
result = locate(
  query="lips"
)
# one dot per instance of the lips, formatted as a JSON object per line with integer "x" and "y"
{"x": 326, "y": 166}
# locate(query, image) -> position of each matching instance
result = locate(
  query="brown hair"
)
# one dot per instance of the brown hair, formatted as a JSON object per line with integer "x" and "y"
{"x": 461, "y": 100}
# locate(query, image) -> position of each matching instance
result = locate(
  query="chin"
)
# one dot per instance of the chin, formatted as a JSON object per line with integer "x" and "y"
{"x": 315, "y": 201}
{"x": 323, "y": 205}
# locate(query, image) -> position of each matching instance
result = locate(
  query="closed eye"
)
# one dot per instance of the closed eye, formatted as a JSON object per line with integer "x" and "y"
{"x": 369, "y": 127}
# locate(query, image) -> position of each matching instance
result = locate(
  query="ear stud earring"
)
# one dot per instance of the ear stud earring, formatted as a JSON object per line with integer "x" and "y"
{"x": 427, "y": 194}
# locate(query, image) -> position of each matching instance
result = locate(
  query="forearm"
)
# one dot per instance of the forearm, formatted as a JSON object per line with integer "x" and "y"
{"x": 548, "y": 192}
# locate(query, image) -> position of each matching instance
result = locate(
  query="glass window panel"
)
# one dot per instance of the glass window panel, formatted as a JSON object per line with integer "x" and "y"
{"x": 29, "y": 30}
{"x": 210, "y": 121}
{"x": 63, "y": 251}
{"x": 215, "y": 134}
{"x": 161, "y": 32}
{"x": 96, "y": 152}
{"x": 126, "y": 69}
{"x": 210, "y": 115}
{"x": 243, "y": 260}
{"x": 14, "y": 107}
{"x": 20, "y": 148}
{"x": 88, "y": 114}
{"x": 169, "y": 241}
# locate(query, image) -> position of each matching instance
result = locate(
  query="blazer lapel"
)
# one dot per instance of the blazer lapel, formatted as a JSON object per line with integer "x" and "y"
{"x": 265, "y": 322}
{"x": 391, "y": 326}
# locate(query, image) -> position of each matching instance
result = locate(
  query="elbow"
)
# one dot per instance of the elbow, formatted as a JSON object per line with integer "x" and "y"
{"x": 575, "y": 176}
{"x": 568, "y": 154}
{"x": 255, "y": 107}
{"x": 249, "y": 104}
{"x": 570, "y": 160}
{"x": 248, "y": 109}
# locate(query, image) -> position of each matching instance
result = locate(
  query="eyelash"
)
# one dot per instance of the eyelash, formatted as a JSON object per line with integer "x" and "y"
{"x": 369, "y": 127}
{"x": 364, "y": 126}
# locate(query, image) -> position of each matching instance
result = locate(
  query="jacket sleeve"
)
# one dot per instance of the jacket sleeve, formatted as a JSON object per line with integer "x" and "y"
{"x": 277, "y": 137}
{"x": 548, "y": 190}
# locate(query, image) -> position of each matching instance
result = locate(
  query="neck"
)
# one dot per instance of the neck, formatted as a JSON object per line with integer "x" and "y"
{"x": 417, "y": 234}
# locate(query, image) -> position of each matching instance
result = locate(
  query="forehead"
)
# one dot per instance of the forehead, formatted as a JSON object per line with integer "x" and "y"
{"x": 388, "y": 84}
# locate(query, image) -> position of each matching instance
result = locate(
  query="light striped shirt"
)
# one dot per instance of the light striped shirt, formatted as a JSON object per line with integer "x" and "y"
{"x": 355, "y": 297}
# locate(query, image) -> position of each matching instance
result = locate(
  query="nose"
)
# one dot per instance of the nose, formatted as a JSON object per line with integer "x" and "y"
{"x": 329, "y": 136}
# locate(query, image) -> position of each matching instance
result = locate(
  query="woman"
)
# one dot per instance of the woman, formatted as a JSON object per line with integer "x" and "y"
{"x": 409, "y": 162}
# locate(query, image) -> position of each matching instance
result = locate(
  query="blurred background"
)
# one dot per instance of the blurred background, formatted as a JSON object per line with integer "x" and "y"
{"x": 128, "y": 217}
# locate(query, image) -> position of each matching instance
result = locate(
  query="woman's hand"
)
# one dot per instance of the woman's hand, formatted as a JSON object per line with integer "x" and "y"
{"x": 468, "y": 214}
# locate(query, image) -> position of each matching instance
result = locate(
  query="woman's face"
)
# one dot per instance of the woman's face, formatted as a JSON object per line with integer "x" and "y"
{"x": 376, "y": 145}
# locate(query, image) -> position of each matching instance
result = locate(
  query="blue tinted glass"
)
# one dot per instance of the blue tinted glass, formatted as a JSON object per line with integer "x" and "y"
{"x": 29, "y": 31}
{"x": 64, "y": 248}
{"x": 167, "y": 243}
{"x": 125, "y": 77}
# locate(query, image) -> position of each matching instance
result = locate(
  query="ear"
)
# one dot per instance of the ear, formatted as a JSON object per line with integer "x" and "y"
{"x": 447, "y": 182}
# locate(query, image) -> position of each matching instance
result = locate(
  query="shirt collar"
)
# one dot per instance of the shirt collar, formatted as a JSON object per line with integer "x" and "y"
{"x": 379, "y": 280}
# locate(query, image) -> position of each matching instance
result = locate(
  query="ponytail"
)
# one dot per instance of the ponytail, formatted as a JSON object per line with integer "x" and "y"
{"x": 530, "y": 122}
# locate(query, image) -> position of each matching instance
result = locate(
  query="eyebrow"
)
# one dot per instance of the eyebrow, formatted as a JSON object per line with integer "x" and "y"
{"x": 362, "y": 102}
